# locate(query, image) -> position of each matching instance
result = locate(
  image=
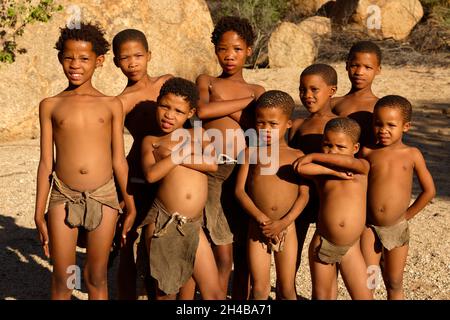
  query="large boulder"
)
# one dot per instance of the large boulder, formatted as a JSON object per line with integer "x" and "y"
{"x": 290, "y": 46}
{"x": 388, "y": 18}
{"x": 178, "y": 32}
{"x": 317, "y": 27}
{"x": 308, "y": 7}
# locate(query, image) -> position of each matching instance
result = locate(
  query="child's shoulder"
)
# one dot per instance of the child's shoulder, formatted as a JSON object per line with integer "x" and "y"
{"x": 205, "y": 78}
{"x": 257, "y": 89}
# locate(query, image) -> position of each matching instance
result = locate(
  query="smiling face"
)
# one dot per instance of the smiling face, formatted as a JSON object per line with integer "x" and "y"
{"x": 338, "y": 142}
{"x": 315, "y": 93}
{"x": 268, "y": 120}
{"x": 232, "y": 52}
{"x": 362, "y": 69}
{"x": 389, "y": 126}
{"x": 172, "y": 112}
{"x": 79, "y": 61}
{"x": 132, "y": 59}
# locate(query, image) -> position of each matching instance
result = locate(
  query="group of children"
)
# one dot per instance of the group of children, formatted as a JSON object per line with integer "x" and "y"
{"x": 189, "y": 205}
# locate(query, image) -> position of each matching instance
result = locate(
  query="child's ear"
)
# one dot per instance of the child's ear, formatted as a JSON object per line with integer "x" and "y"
{"x": 406, "y": 126}
{"x": 60, "y": 57}
{"x": 378, "y": 71}
{"x": 149, "y": 56}
{"x": 249, "y": 51}
{"x": 346, "y": 65}
{"x": 191, "y": 112}
{"x": 333, "y": 90}
{"x": 356, "y": 147}
{"x": 99, "y": 61}
{"x": 289, "y": 124}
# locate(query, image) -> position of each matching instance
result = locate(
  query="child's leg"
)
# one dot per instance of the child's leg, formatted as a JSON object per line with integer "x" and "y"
{"x": 152, "y": 286}
{"x": 259, "y": 265}
{"x": 286, "y": 267}
{"x": 393, "y": 268}
{"x": 354, "y": 273}
{"x": 205, "y": 272}
{"x": 371, "y": 250}
{"x": 98, "y": 247}
{"x": 187, "y": 291}
{"x": 241, "y": 273}
{"x": 224, "y": 259}
{"x": 126, "y": 273}
{"x": 62, "y": 241}
{"x": 323, "y": 276}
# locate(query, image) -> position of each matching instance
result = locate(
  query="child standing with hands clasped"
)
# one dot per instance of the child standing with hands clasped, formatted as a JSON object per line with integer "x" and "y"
{"x": 272, "y": 199}
{"x": 223, "y": 108}
{"x": 86, "y": 129}
{"x": 392, "y": 166}
{"x": 341, "y": 181}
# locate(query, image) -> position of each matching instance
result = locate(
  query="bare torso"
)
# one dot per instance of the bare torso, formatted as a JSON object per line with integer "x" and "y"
{"x": 139, "y": 103}
{"x": 390, "y": 184}
{"x": 342, "y": 212}
{"x": 182, "y": 190}
{"x": 82, "y": 126}
{"x": 222, "y": 90}
{"x": 275, "y": 194}
{"x": 308, "y": 133}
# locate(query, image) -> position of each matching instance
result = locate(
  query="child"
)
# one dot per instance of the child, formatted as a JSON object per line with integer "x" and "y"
{"x": 318, "y": 83}
{"x": 223, "y": 101}
{"x": 392, "y": 166}
{"x": 86, "y": 128}
{"x": 341, "y": 181}
{"x": 178, "y": 247}
{"x": 131, "y": 55}
{"x": 363, "y": 64}
{"x": 274, "y": 200}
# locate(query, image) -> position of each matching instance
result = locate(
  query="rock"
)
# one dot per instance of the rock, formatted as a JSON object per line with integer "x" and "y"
{"x": 290, "y": 46}
{"x": 317, "y": 27}
{"x": 308, "y": 7}
{"x": 388, "y": 18}
{"x": 178, "y": 33}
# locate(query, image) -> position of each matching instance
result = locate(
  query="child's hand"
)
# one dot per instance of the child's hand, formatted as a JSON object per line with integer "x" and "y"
{"x": 127, "y": 224}
{"x": 346, "y": 175}
{"x": 301, "y": 161}
{"x": 273, "y": 228}
{"x": 41, "y": 226}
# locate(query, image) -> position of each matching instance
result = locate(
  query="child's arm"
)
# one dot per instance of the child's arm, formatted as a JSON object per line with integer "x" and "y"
{"x": 206, "y": 161}
{"x": 120, "y": 166}
{"x": 293, "y": 130}
{"x": 44, "y": 172}
{"x": 310, "y": 170}
{"x": 275, "y": 227}
{"x": 207, "y": 109}
{"x": 336, "y": 162}
{"x": 426, "y": 183}
{"x": 245, "y": 201}
{"x": 156, "y": 169}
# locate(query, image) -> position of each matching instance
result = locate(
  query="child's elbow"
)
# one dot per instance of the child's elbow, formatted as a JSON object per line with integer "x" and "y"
{"x": 214, "y": 167}
{"x": 150, "y": 176}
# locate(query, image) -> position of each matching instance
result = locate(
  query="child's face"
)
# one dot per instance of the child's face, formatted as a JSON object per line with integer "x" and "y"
{"x": 79, "y": 61}
{"x": 132, "y": 60}
{"x": 315, "y": 93}
{"x": 232, "y": 52}
{"x": 268, "y": 120}
{"x": 362, "y": 69}
{"x": 172, "y": 112}
{"x": 338, "y": 142}
{"x": 389, "y": 126}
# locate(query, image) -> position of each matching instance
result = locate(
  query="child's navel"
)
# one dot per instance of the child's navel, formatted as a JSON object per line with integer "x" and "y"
{"x": 341, "y": 224}
{"x": 101, "y": 120}
{"x": 83, "y": 171}
{"x": 188, "y": 196}
{"x": 274, "y": 208}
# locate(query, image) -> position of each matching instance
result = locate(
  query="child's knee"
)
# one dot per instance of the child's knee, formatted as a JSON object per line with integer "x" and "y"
{"x": 95, "y": 278}
{"x": 260, "y": 290}
{"x": 394, "y": 284}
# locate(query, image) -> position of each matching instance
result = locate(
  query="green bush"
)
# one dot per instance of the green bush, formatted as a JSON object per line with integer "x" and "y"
{"x": 14, "y": 16}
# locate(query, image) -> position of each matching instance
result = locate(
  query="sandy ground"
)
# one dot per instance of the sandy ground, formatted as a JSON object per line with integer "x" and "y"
{"x": 25, "y": 273}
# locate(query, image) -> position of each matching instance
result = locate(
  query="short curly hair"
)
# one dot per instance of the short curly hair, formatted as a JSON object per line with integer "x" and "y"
{"x": 233, "y": 23}
{"x": 182, "y": 88}
{"x": 326, "y": 72}
{"x": 346, "y": 125}
{"x": 276, "y": 99}
{"x": 88, "y": 32}
{"x": 365, "y": 47}
{"x": 128, "y": 35}
{"x": 396, "y": 102}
